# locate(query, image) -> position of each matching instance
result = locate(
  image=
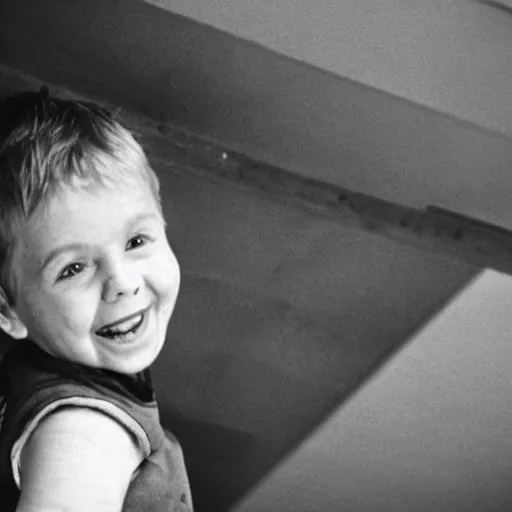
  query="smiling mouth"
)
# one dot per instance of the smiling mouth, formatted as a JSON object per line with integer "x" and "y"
{"x": 122, "y": 328}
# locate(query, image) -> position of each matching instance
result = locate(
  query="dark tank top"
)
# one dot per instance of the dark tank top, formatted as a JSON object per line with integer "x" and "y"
{"x": 33, "y": 384}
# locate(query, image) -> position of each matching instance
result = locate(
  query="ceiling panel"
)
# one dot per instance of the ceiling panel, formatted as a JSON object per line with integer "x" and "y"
{"x": 451, "y": 55}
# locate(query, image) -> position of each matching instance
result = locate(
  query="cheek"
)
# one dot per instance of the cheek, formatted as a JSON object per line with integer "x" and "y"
{"x": 57, "y": 316}
{"x": 34, "y": 307}
{"x": 74, "y": 315}
{"x": 166, "y": 275}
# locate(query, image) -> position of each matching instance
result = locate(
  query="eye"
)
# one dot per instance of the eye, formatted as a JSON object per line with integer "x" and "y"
{"x": 137, "y": 241}
{"x": 71, "y": 270}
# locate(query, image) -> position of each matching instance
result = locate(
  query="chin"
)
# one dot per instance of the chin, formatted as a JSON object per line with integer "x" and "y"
{"x": 137, "y": 363}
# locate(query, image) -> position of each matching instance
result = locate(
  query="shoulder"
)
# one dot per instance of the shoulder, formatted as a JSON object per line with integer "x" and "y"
{"x": 77, "y": 459}
{"x": 38, "y": 384}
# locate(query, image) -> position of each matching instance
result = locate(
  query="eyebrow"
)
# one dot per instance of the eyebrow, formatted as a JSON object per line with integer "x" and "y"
{"x": 144, "y": 216}
{"x": 148, "y": 216}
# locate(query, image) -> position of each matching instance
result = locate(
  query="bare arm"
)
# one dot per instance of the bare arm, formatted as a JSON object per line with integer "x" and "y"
{"x": 77, "y": 460}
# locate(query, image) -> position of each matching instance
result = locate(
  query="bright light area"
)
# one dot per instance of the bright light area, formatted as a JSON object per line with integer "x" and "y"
{"x": 431, "y": 431}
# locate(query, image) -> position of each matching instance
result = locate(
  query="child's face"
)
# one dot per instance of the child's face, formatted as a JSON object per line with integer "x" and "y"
{"x": 97, "y": 279}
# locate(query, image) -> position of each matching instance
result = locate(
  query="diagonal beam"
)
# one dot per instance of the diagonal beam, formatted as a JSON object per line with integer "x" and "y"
{"x": 433, "y": 229}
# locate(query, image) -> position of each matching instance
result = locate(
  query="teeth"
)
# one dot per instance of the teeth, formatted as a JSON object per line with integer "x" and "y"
{"x": 123, "y": 327}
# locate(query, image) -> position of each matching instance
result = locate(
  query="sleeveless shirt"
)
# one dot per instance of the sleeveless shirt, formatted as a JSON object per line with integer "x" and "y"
{"x": 33, "y": 384}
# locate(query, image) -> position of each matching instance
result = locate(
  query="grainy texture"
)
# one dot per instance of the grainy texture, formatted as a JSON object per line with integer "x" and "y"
{"x": 434, "y": 230}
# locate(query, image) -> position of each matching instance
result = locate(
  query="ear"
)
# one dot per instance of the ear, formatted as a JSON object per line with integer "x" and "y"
{"x": 10, "y": 322}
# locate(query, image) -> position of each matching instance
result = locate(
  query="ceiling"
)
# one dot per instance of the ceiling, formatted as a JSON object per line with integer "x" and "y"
{"x": 449, "y": 55}
{"x": 284, "y": 316}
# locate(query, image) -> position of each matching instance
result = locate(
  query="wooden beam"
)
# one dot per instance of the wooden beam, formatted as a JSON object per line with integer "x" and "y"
{"x": 433, "y": 229}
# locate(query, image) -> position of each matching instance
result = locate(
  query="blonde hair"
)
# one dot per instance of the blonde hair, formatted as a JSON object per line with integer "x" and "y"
{"x": 46, "y": 143}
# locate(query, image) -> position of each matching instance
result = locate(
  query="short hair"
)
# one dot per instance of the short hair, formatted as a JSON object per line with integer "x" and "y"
{"x": 47, "y": 142}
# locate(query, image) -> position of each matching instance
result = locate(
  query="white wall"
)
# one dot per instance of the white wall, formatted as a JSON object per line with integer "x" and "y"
{"x": 451, "y": 55}
{"x": 431, "y": 431}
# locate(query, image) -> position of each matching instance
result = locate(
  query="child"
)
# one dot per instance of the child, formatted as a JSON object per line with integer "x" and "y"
{"x": 88, "y": 283}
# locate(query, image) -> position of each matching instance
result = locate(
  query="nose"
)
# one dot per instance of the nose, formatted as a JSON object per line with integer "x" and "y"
{"x": 122, "y": 280}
